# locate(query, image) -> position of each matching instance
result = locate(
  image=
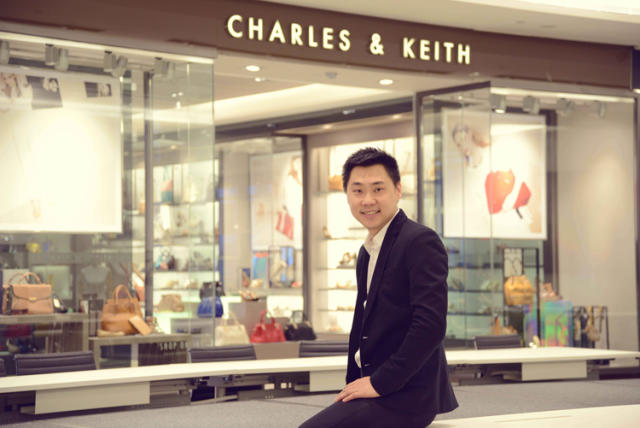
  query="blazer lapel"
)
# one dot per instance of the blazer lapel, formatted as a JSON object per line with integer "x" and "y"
{"x": 385, "y": 251}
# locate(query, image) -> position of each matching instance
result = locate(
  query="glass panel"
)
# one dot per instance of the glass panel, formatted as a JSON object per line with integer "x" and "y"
{"x": 457, "y": 158}
{"x": 260, "y": 223}
{"x": 532, "y": 193}
{"x": 73, "y": 147}
{"x": 184, "y": 245}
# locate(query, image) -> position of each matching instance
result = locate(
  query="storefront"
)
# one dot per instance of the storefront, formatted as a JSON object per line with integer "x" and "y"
{"x": 521, "y": 152}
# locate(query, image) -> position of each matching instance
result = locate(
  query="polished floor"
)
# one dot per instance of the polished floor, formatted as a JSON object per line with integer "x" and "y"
{"x": 475, "y": 401}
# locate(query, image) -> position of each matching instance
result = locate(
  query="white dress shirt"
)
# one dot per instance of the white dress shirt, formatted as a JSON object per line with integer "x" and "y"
{"x": 372, "y": 245}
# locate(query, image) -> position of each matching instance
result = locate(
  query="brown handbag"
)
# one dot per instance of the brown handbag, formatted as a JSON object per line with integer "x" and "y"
{"x": 24, "y": 298}
{"x": 118, "y": 310}
{"x": 518, "y": 290}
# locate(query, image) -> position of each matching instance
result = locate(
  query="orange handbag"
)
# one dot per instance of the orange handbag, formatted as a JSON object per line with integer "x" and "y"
{"x": 518, "y": 290}
{"x": 118, "y": 310}
{"x": 25, "y": 298}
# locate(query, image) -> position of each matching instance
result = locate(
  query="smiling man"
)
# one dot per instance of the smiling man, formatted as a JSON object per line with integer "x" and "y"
{"x": 397, "y": 370}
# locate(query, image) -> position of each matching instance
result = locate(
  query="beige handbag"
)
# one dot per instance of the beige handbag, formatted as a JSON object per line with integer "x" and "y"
{"x": 231, "y": 332}
{"x": 24, "y": 298}
{"x": 171, "y": 302}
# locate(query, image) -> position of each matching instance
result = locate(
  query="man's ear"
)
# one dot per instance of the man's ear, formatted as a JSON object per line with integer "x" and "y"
{"x": 399, "y": 188}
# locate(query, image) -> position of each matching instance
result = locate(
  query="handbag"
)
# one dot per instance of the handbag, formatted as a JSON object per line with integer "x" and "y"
{"x": 299, "y": 331}
{"x": 518, "y": 290}
{"x": 264, "y": 333}
{"x": 117, "y": 311}
{"x": 171, "y": 302}
{"x": 25, "y": 298}
{"x": 335, "y": 183}
{"x": 231, "y": 332}
{"x": 285, "y": 223}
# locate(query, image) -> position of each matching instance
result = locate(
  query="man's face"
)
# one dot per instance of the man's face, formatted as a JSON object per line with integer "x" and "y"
{"x": 372, "y": 197}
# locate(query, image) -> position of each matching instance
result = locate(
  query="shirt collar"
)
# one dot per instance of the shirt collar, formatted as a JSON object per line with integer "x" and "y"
{"x": 374, "y": 243}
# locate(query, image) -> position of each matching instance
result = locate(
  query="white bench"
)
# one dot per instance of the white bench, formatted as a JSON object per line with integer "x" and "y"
{"x": 627, "y": 416}
{"x": 57, "y": 392}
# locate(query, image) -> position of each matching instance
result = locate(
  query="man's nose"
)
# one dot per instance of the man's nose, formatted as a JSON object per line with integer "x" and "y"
{"x": 368, "y": 198}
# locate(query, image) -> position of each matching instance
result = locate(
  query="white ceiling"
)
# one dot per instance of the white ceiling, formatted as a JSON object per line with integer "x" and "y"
{"x": 303, "y": 84}
{"x": 600, "y": 21}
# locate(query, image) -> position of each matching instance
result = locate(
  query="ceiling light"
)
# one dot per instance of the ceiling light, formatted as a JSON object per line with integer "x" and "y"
{"x": 498, "y": 103}
{"x": 327, "y": 126}
{"x": 252, "y": 68}
{"x": 259, "y": 79}
{"x": 599, "y": 108}
{"x": 396, "y": 116}
{"x": 62, "y": 60}
{"x": 50, "y": 54}
{"x": 109, "y": 62}
{"x": 637, "y": 91}
{"x": 121, "y": 66}
{"x": 564, "y": 107}
{"x": 386, "y": 82}
{"x": 531, "y": 104}
{"x": 4, "y": 52}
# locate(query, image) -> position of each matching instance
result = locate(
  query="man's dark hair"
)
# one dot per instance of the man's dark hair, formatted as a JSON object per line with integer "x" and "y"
{"x": 367, "y": 157}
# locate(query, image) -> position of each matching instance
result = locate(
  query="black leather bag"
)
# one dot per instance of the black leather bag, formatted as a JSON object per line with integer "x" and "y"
{"x": 299, "y": 328}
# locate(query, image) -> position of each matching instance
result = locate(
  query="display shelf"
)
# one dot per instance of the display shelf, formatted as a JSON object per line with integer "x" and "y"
{"x": 197, "y": 272}
{"x": 498, "y": 292}
{"x": 337, "y": 289}
{"x": 338, "y": 268}
{"x": 474, "y": 314}
{"x": 337, "y": 310}
{"x": 183, "y": 203}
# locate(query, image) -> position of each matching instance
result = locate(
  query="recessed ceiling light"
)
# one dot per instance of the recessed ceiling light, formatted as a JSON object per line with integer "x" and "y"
{"x": 259, "y": 79}
{"x": 396, "y": 116}
{"x": 385, "y": 82}
{"x": 637, "y": 91}
{"x": 327, "y": 126}
{"x": 252, "y": 68}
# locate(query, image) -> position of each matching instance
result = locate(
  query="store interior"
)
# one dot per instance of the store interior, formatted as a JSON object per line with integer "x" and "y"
{"x": 246, "y": 154}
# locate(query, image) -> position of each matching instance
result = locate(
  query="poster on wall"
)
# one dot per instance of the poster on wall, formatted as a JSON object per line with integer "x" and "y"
{"x": 60, "y": 152}
{"x": 494, "y": 180}
{"x": 276, "y": 200}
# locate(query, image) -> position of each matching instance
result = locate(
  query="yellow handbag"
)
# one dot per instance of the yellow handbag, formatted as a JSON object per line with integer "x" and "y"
{"x": 518, "y": 290}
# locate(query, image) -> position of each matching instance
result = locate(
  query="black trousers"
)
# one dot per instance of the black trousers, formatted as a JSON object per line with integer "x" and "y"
{"x": 364, "y": 412}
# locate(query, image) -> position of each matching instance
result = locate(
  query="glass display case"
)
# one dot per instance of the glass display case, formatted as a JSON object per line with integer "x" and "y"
{"x": 484, "y": 189}
{"x": 260, "y": 193}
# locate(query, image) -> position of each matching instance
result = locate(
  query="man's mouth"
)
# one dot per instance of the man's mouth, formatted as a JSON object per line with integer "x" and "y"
{"x": 370, "y": 212}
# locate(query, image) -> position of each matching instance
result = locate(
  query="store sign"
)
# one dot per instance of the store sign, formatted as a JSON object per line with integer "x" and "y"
{"x": 330, "y": 38}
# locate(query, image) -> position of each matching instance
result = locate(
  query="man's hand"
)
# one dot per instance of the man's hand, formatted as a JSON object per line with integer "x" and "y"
{"x": 359, "y": 388}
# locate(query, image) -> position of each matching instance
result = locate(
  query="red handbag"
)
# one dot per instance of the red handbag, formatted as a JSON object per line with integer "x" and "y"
{"x": 264, "y": 333}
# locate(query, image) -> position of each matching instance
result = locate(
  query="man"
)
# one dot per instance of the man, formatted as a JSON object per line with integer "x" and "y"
{"x": 397, "y": 370}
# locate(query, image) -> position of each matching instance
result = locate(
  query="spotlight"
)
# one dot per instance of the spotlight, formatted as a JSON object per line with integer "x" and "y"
{"x": 531, "y": 104}
{"x": 564, "y": 107}
{"x": 50, "y": 54}
{"x": 109, "y": 61}
{"x": 600, "y": 109}
{"x": 160, "y": 67}
{"x": 171, "y": 70}
{"x": 4, "y": 52}
{"x": 498, "y": 103}
{"x": 62, "y": 60}
{"x": 120, "y": 67}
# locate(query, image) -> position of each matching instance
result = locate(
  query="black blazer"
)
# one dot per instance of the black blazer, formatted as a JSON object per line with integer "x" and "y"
{"x": 400, "y": 331}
